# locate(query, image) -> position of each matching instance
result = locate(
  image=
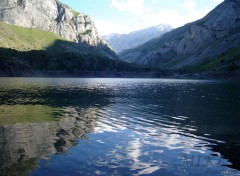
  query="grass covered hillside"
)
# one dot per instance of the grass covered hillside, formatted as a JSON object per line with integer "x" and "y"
{"x": 26, "y": 39}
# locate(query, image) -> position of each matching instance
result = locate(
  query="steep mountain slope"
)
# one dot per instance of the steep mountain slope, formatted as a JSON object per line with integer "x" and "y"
{"x": 120, "y": 42}
{"x": 49, "y": 39}
{"x": 28, "y": 39}
{"x": 34, "y": 52}
{"x": 53, "y": 16}
{"x": 211, "y": 43}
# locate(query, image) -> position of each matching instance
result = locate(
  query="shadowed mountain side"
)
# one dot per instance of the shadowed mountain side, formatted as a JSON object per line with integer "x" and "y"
{"x": 65, "y": 58}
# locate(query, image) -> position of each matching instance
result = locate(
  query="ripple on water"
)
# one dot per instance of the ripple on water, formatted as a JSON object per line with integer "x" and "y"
{"x": 122, "y": 127}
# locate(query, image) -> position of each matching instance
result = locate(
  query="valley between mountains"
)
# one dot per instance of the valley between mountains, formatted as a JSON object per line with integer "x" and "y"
{"x": 51, "y": 39}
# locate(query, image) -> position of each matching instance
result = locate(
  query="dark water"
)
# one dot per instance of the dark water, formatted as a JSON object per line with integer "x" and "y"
{"x": 119, "y": 127}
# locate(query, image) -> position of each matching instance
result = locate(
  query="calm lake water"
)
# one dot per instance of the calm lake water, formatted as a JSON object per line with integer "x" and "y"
{"x": 119, "y": 127}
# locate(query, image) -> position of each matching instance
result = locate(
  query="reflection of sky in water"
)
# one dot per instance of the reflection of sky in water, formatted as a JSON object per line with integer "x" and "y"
{"x": 126, "y": 152}
{"x": 147, "y": 150}
{"x": 127, "y": 127}
{"x": 120, "y": 146}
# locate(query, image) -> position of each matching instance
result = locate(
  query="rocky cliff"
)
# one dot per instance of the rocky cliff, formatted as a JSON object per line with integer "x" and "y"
{"x": 209, "y": 43}
{"x": 53, "y": 16}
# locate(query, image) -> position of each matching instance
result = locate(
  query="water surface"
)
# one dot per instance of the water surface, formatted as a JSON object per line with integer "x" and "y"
{"x": 119, "y": 127}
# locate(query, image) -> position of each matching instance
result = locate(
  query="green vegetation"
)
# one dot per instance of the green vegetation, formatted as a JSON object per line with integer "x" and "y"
{"x": 26, "y": 114}
{"x": 232, "y": 54}
{"x": 75, "y": 13}
{"x": 86, "y": 32}
{"x": 200, "y": 22}
{"x": 21, "y": 168}
{"x": 25, "y": 39}
{"x": 19, "y": 2}
{"x": 228, "y": 59}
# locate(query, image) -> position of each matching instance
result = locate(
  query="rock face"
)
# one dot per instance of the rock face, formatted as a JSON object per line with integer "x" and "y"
{"x": 196, "y": 43}
{"x": 120, "y": 42}
{"x": 53, "y": 16}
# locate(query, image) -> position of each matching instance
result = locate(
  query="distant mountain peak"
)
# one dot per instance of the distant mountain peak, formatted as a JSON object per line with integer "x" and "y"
{"x": 163, "y": 26}
{"x": 120, "y": 42}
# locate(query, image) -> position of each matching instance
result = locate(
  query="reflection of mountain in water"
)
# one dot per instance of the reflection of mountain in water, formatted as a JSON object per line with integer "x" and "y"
{"x": 41, "y": 118}
{"x": 21, "y": 145}
{"x": 150, "y": 119}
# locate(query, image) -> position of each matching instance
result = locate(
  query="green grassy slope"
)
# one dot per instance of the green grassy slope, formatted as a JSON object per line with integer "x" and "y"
{"x": 228, "y": 61}
{"x": 26, "y": 39}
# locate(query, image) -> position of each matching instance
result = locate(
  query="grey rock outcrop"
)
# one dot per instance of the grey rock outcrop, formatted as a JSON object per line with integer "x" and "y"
{"x": 53, "y": 16}
{"x": 194, "y": 43}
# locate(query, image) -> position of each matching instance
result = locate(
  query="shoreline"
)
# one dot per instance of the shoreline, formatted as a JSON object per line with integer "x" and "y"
{"x": 134, "y": 75}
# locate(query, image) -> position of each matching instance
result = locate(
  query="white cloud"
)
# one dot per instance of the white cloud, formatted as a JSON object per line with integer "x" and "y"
{"x": 189, "y": 5}
{"x": 219, "y": 1}
{"x": 173, "y": 17}
{"x": 164, "y": 16}
{"x": 148, "y": 17}
{"x": 107, "y": 27}
{"x": 135, "y": 7}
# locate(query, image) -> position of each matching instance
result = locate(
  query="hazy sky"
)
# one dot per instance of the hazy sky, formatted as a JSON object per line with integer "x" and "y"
{"x": 123, "y": 16}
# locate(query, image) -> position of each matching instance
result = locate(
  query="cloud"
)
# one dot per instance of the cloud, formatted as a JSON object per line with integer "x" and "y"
{"x": 135, "y": 7}
{"x": 165, "y": 16}
{"x": 147, "y": 15}
{"x": 173, "y": 17}
{"x": 107, "y": 27}
{"x": 189, "y": 5}
{"x": 219, "y": 1}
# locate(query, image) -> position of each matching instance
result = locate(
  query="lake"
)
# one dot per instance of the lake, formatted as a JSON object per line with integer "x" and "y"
{"x": 53, "y": 126}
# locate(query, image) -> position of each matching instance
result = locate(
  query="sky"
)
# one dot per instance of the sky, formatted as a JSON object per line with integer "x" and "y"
{"x": 124, "y": 16}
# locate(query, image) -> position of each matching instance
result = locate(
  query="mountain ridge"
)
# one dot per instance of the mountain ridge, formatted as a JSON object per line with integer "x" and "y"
{"x": 195, "y": 45}
{"x": 61, "y": 43}
{"x": 68, "y": 44}
{"x": 54, "y": 16}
